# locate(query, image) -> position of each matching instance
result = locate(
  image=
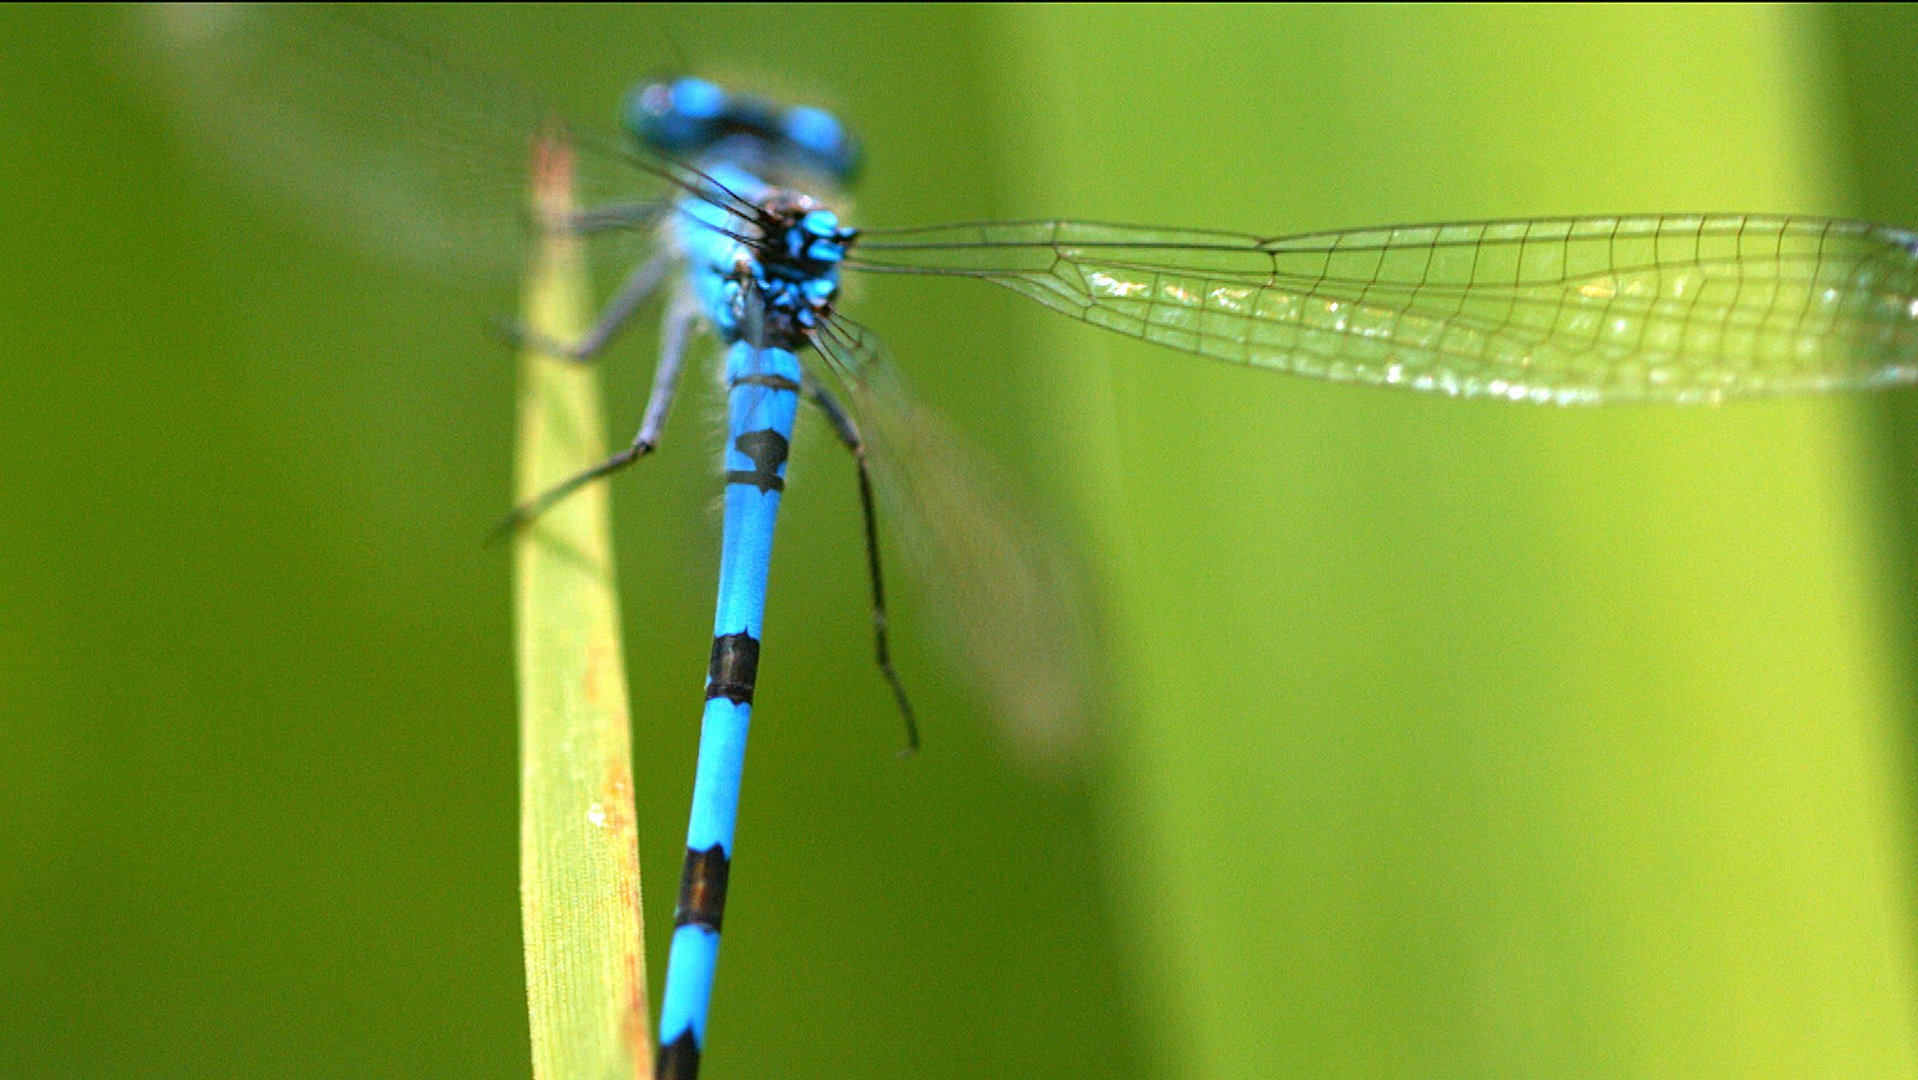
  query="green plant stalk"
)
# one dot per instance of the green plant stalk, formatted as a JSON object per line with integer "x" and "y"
{"x": 579, "y": 855}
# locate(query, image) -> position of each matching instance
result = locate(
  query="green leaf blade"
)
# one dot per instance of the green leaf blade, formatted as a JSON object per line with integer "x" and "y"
{"x": 579, "y": 855}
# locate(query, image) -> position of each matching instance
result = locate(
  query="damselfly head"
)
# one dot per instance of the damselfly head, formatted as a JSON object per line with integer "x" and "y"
{"x": 688, "y": 116}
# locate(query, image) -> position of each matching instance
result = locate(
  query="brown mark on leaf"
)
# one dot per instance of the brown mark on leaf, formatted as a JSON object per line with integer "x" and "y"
{"x": 552, "y": 169}
{"x": 616, "y": 800}
{"x": 591, "y": 683}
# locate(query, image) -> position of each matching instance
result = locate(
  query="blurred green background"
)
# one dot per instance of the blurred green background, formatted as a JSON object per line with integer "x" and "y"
{"x": 1448, "y": 739}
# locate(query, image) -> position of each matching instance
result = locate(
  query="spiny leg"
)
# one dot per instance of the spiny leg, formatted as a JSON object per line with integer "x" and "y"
{"x": 848, "y": 433}
{"x": 640, "y": 283}
{"x": 616, "y": 216}
{"x": 675, "y": 330}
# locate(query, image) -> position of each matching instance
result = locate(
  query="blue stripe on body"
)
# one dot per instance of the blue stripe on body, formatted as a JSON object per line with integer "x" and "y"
{"x": 761, "y": 413}
{"x": 689, "y": 984}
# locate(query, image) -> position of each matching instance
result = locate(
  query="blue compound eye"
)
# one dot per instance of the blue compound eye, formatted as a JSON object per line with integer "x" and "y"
{"x": 675, "y": 116}
{"x": 697, "y": 99}
{"x": 820, "y": 134}
{"x": 686, "y": 116}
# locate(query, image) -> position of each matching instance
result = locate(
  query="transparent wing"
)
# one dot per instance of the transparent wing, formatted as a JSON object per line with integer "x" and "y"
{"x": 371, "y": 133}
{"x": 1010, "y": 600}
{"x": 1682, "y": 308}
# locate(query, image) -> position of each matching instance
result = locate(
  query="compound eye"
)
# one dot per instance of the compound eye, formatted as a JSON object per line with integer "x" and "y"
{"x": 821, "y": 136}
{"x": 814, "y": 130}
{"x": 697, "y": 99}
{"x": 675, "y": 116}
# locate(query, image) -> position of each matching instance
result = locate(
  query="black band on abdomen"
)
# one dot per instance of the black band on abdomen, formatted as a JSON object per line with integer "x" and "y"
{"x": 767, "y": 449}
{"x": 702, "y": 888}
{"x": 733, "y": 669}
{"x": 770, "y": 382}
{"x": 679, "y": 1059}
